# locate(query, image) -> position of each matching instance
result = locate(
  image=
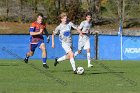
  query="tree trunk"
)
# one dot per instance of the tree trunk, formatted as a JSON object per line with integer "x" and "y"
{"x": 123, "y": 11}
{"x": 35, "y": 6}
{"x": 7, "y": 9}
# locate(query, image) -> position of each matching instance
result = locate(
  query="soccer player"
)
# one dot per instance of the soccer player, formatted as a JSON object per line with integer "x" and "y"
{"x": 37, "y": 40}
{"x": 84, "y": 42}
{"x": 64, "y": 30}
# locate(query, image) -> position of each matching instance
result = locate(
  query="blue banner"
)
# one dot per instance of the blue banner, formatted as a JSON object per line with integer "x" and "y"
{"x": 131, "y": 48}
{"x": 12, "y": 46}
{"x": 110, "y": 48}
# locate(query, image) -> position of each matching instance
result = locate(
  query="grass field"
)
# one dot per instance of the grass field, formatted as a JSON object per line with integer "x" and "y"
{"x": 104, "y": 77}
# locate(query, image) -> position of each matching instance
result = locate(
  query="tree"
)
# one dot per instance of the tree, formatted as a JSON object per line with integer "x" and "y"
{"x": 7, "y": 8}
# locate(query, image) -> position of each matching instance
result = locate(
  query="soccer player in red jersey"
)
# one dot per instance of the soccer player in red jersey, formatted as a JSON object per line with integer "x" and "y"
{"x": 37, "y": 40}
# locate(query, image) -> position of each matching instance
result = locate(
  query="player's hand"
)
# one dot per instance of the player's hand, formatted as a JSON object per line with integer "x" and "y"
{"x": 53, "y": 46}
{"x": 81, "y": 34}
{"x": 41, "y": 31}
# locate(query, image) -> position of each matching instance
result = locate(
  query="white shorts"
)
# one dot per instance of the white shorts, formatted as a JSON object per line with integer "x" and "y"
{"x": 67, "y": 47}
{"x": 83, "y": 43}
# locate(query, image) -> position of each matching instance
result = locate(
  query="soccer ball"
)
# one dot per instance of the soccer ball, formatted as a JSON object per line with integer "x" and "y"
{"x": 80, "y": 70}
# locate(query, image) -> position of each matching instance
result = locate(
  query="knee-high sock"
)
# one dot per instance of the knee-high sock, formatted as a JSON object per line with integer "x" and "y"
{"x": 73, "y": 64}
{"x": 27, "y": 57}
{"x": 44, "y": 60}
{"x": 62, "y": 58}
{"x": 88, "y": 58}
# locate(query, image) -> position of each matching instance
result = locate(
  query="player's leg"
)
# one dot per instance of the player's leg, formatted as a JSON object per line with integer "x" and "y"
{"x": 87, "y": 47}
{"x": 70, "y": 55}
{"x": 64, "y": 57}
{"x": 80, "y": 47}
{"x": 77, "y": 52}
{"x": 61, "y": 59}
{"x": 88, "y": 58}
{"x": 72, "y": 61}
{"x": 31, "y": 52}
{"x": 44, "y": 55}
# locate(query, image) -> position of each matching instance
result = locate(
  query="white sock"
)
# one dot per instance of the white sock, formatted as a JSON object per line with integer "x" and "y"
{"x": 62, "y": 58}
{"x": 88, "y": 58}
{"x": 76, "y": 53}
{"x": 73, "y": 64}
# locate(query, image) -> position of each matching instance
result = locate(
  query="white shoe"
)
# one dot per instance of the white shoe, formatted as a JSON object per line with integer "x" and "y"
{"x": 90, "y": 65}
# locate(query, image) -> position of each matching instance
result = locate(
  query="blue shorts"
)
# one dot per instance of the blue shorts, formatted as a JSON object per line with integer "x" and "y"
{"x": 34, "y": 46}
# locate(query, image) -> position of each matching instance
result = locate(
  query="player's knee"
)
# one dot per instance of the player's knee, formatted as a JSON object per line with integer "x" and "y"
{"x": 43, "y": 48}
{"x": 88, "y": 50}
{"x": 71, "y": 55}
{"x": 67, "y": 57}
{"x": 31, "y": 53}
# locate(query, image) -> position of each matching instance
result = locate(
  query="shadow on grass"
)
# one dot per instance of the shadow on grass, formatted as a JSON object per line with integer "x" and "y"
{"x": 7, "y": 65}
{"x": 107, "y": 73}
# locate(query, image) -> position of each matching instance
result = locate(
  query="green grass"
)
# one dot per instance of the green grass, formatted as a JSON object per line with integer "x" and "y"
{"x": 104, "y": 77}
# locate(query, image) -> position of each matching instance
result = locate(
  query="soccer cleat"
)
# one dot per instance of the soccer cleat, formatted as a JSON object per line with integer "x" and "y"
{"x": 45, "y": 66}
{"x": 26, "y": 60}
{"x": 90, "y": 65}
{"x": 56, "y": 62}
{"x": 75, "y": 72}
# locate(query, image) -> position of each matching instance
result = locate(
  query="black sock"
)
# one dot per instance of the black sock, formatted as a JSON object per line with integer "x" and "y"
{"x": 27, "y": 57}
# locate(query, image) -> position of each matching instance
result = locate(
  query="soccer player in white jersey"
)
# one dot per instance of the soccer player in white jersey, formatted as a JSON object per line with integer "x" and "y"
{"x": 64, "y": 30}
{"x": 84, "y": 39}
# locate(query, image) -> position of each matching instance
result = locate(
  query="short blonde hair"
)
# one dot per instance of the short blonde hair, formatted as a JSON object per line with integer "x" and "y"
{"x": 63, "y": 14}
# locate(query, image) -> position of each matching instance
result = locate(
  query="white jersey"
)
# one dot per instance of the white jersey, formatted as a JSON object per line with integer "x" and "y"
{"x": 64, "y": 31}
{"x": 85, "y": 26}
{"x": 84, "y": 40}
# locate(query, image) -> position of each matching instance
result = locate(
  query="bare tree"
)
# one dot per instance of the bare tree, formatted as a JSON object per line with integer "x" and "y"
{"x": 121, "y": 10}
{"x": 35, "y": 6}
{"x": 7, "y": 8}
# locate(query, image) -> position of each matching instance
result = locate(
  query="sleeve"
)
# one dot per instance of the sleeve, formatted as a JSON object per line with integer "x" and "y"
{"x": 73, "y": 25}
{"x": 81, "y": 25}
{"x": 32, "y": 28}
{"x": 57, "y": 29}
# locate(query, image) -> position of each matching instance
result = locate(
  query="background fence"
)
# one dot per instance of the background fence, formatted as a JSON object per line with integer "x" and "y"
{"x": 107, "y": 47}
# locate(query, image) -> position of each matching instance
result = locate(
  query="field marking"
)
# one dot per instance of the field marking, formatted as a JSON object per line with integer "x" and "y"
{"x": 58, "y": 80}
{"x": 107, "y": 68}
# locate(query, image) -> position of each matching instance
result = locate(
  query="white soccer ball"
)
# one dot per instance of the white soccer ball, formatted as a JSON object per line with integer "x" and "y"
{"x": 80, "y": 70}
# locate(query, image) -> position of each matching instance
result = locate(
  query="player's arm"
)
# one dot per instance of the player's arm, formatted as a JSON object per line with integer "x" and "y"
{"x": 92, "y": 31}
{"x": 77, "y": 28}
{"x": 36, "y": 33}
{"x": 53, "y": 45}
{"x": 79, "y": 31}
{"x": 53, "y": 36}
{"x": 32, "y": 30}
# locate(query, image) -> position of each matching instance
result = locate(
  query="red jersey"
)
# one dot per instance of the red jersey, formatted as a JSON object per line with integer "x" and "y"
{"x": 35, "y": 27}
